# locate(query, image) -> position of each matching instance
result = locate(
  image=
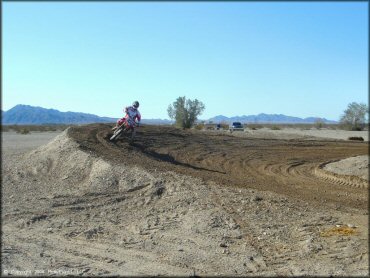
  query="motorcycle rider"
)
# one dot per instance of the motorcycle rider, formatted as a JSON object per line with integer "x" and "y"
{"x": 132, "y": 117}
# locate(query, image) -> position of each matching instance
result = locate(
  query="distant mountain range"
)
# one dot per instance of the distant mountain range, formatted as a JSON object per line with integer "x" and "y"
{"x": 31, "y": 115}
{"x": 269, "y": 118}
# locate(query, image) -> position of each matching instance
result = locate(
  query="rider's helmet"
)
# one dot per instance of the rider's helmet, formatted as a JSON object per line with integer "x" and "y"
{"x": 135, "y": 104}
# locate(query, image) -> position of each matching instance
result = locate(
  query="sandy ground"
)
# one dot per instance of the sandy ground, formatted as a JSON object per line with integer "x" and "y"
{"x": 65, "y": 210}
{"x": 295, "y": 133}
{"x": 20, "y": 143}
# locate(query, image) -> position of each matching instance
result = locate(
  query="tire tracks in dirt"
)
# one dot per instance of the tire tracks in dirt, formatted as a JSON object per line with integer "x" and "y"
{"x": 290, "y": 167}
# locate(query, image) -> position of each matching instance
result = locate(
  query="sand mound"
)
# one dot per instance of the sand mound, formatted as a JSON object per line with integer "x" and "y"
{"x": 352, "y": 166}
{"x": 352, "y": 171}
{"x": 83, "y": 172}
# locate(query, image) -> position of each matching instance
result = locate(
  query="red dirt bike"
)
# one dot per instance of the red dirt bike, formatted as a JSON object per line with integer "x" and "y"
{"x": 126, "y": 126}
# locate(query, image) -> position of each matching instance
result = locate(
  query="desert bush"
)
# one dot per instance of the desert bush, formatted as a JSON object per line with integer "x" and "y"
{"x": 275, "y": 127}
{"x": 255, "y": 126}
{"x": 355, "y": 138}
{"x": 319, "y": 124}
{"x": 23, "y": 131}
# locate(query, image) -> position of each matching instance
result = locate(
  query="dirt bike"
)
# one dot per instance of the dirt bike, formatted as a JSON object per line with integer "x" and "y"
{"x": 126, "y": 126}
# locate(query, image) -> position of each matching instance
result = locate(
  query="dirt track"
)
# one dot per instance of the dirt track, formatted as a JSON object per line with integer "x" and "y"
{"x": 289, "y": 167}
{"x": 182, "y": 203}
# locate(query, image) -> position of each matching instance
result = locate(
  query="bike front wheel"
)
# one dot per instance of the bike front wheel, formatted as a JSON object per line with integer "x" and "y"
{"x": 116, "y": 134}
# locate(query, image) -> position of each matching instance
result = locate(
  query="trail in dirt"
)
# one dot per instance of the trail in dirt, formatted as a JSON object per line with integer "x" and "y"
{"x": 282, "y": 166}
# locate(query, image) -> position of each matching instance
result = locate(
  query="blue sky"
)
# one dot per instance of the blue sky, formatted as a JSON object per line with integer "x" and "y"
{"x": 241, "y": 58}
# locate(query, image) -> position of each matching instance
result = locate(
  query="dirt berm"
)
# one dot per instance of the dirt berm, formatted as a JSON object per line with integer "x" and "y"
{"x": 176, "y": 202}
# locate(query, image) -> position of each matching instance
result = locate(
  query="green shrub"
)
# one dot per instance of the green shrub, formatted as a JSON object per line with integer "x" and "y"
{"x": 185, "y": 111}
{"x": 23, "y": 131}
{"x": 356, "y": 138}
{"x": 319, "y": 124}
{"x": 199, "y": 126}
{"x": 275, "y": 127}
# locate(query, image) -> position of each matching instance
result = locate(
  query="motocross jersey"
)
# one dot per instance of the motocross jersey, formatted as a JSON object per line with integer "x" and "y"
{"x": 132, "y": 114}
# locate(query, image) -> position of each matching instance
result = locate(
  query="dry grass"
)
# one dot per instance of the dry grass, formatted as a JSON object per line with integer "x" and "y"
{"x": 339, "y": 231}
